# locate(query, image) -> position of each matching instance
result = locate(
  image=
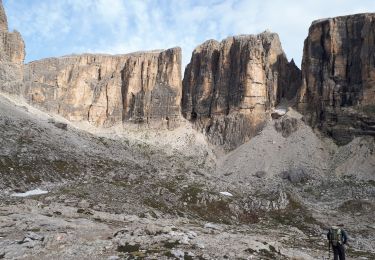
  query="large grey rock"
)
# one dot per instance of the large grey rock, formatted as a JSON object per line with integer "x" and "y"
{"x": 338, "y": 71}
{"x": 295, "y": 176}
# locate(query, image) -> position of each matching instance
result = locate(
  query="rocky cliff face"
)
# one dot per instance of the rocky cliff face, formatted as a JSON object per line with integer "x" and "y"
{"x": 12, "y": 54}
{"x": 141, "y": 87}
{"x": 230, "y": 87}
{"x": 338, "y": 90}
{"x": 3, "y": 18}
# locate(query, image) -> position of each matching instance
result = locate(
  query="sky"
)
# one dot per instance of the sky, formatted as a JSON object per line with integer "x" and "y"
{"x": 54, "y": 28}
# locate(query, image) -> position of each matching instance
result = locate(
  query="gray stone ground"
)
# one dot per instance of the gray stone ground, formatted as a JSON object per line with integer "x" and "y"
{"x": 138, "y": 194}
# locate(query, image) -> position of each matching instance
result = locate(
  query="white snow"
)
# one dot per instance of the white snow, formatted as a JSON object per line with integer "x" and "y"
{"x": 225, "y": 193}
{"x": 30, "y": 193}
{"x": 280, "y": 111}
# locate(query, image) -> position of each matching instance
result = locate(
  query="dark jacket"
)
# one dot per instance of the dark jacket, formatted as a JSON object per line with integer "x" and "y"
{"x": 344, "y": 236}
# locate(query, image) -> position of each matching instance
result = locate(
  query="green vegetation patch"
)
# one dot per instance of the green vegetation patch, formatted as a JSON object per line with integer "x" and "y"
{"x": 128, "y": 248}
{"x": 355, "y": 206}
{"x": 170, "y": 244}
{"x": 296, "y": 215}
{"x": 368, "y": 109}
{"x": 156, "y": 203}
{"x": 193, "y": 193}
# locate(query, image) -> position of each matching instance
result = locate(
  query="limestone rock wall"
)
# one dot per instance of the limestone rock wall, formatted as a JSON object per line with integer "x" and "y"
{"x": 3, "y": 18}
{"x": 338, "y": 90}
{"x": 230, "y": 87}
{"x": 12, "y": 55}
{"x": 228, "y": 90}
{"x": 141, "y": 87}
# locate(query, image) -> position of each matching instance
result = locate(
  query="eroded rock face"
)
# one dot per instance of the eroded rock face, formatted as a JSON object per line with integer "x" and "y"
{"x": 141, "y": 87}
{"x": 230, "y": 87}
{"x": 3, "y": 18}
{"x": 338, "y": 68}
{"x": 12, "y": 55}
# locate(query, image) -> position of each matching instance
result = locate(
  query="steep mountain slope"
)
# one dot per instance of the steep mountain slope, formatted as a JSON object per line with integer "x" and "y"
{"x": 272, "y": 152}
{"x": 38, "y": 147}
{"x": 34, "y": 150}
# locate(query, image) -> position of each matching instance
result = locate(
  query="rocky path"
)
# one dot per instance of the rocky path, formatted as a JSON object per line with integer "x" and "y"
{"x": 113, "y": 196}
{"x": 31, "y": 229}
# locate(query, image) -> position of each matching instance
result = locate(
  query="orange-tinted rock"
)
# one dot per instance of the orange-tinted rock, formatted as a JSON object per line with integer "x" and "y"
{"x": 230, "y": 87}
{"x": 142, "y": 87}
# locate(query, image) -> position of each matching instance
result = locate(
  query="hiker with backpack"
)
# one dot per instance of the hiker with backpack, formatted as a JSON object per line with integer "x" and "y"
{"x": 337, "y": 238}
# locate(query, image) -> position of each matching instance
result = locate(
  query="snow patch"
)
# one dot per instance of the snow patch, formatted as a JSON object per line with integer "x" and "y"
{"x": 225, "y": 193}
{"x": 30, "y": 193}
{"x": 280, "y": 111}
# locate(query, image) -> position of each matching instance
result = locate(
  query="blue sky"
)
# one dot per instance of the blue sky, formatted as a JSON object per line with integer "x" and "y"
{"x": 59, "y": 27}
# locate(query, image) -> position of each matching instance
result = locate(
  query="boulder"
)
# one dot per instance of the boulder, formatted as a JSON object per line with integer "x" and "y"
{"x": 295, "y": 176}
{"x": 62, "y": 126}
{"x": 260, "y": 174}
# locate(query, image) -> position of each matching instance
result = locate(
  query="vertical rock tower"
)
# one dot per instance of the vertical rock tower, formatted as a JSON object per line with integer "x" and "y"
{"x": 12, "y": 55}
{"x": 338, "y": 71}
{"x": 230, "y": 87}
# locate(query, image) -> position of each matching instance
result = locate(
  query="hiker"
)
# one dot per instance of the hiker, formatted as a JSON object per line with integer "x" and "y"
{"x": 337, "y": 239}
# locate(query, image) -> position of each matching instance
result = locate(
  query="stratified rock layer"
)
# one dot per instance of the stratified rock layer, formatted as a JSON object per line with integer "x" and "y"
{"x": 142, "y": 87}
{"x": 338, "y": 68}
{"x": 230, "y": 87}
{"x": 12, "y": 55}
